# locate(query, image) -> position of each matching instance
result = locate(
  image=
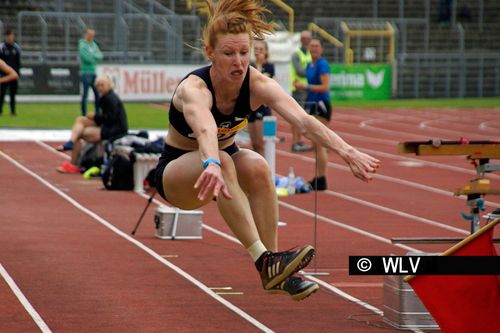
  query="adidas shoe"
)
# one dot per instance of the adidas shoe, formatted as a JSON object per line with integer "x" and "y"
{"x": 277, "y": 266}
{"x": 294, "y": 286}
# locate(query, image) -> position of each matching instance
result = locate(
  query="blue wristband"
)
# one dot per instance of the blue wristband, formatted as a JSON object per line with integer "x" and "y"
{"x": 308, "y": 88}
{"x": 211, "y": 160}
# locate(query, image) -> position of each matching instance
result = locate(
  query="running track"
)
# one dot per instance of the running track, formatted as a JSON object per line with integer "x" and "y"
{"x": 69, "y": 264}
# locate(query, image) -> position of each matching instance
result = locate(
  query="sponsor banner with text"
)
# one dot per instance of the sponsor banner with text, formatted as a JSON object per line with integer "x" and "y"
{"x": 360, "y": 82}
{"x": 44, "y": 79}
{"x": 158, "y": 82}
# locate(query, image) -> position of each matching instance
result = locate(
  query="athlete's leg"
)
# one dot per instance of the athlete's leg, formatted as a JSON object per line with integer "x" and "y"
{"x": 256, "y": 181}
{"x": 179, "y": 178}
{"x": 256, "y": 136}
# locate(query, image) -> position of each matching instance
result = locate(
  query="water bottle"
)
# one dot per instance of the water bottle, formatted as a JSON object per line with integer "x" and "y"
{"x": 291, "y": 181}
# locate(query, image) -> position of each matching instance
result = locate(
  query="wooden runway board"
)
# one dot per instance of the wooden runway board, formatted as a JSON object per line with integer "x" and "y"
{"x": 473, "y": 149}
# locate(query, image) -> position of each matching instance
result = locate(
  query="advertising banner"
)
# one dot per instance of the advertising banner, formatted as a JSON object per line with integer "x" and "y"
{"x": 360, "y": 82}
{"x": 45, "y": 79}
{"x": 145, "y": 82}
{"x": 157, "y": 82}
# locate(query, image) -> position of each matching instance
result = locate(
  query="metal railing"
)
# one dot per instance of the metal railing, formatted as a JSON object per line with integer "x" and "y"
{"x": 455, "y": 75}
{"x": 289, "y": 10}
{"x": 125, "y": 29}
{"x": 158, "y": 35}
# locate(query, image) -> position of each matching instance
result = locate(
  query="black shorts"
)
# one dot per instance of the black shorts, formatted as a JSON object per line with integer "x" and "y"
{"x": 319, "y": 109}
{"x": 259, "y": 114}
{"x": 171, "y": 153}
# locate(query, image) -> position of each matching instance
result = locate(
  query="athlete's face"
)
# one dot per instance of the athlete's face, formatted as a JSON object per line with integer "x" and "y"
{"x": 231, "y": 56}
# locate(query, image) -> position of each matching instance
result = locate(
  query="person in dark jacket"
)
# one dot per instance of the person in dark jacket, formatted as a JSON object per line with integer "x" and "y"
{"x": 109, "y": 124}
{"x": 10, "y": 52}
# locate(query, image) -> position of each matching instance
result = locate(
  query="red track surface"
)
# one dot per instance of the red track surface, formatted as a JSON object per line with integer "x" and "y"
{"x": 81, "y": 276}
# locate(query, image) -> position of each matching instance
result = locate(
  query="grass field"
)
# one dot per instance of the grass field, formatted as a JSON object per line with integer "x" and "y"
{"x": 151, "y": 116}
{"x": 62, "y": 115}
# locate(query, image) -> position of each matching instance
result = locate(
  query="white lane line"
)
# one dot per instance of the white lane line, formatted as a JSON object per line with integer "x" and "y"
{"x": 143, "y": 247}
{"x": 485, "y": 126}
{"x": 383, "y": 177}
{"x": 144, "y": 195}
{"x": 424, "y": 125}
{"x": 428, "y": 163}
{"x": 351, "y": 298}
{"x": 339, "y": 224}
{"x": 347, "y": 227}
{"x": 24, "y": 301}
{"x": 335, "y": 290}
{"x": 52, "y": 149}
{"x": 366, "y": 125}
{"x": 398, "y": 213}
{"x": 404, "y": 158}
{"x": 344, "y": 294}
{"x": 401, "y": 157}
{"x": 235, "y": 240}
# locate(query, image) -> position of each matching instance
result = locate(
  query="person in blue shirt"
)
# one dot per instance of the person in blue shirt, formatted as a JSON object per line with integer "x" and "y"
{"x": 318, "y": 104}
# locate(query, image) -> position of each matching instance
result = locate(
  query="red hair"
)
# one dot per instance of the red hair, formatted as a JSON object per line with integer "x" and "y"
{"x": 234, "y": 17}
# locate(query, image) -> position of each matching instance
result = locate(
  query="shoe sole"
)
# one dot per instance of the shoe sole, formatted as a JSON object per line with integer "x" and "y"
{"x": 297, "y": 297}
{"x": 301, "y": 260}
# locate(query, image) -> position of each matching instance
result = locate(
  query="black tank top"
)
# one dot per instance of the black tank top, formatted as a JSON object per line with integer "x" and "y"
{"x": 227, "y": 125}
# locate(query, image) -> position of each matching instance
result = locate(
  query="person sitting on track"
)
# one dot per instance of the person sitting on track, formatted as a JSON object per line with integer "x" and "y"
{"x": 109, "y": 124}
{"x": 201, "y": 160}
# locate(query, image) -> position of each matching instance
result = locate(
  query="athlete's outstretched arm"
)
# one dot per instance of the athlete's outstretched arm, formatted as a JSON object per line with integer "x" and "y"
{"x": 269, "y": 92}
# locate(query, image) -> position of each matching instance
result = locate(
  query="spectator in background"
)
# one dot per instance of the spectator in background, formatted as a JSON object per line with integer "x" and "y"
{"x": 108, "y": 124}
{"x": 10, "y": 53}
{"x": 318, "y": 104}
{"x": 89, "y": 54}
{"x": 261, "y": 52}
{"x": 300, "y": 58}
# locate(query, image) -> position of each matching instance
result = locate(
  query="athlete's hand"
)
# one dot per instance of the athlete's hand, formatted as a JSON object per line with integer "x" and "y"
{"x": 361, "y": 164}
{"x": 211, "y": 183}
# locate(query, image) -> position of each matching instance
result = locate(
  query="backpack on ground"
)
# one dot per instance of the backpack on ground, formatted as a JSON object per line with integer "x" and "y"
{"x": 90, "y": 156}
{"x": 118, "y": 174}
